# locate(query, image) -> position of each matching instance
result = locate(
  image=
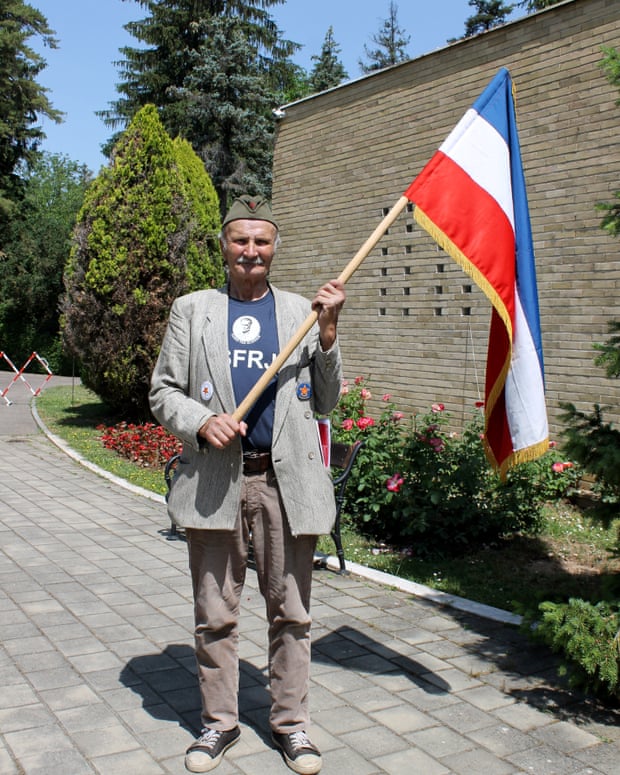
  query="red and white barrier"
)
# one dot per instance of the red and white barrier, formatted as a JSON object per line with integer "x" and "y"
{"x": 19, "y": 374}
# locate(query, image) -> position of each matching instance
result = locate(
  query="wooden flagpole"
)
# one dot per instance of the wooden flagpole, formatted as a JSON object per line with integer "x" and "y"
{"x": 251, "y": 398}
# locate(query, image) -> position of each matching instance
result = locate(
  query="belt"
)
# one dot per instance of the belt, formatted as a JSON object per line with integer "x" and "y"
{"x": 256, "y": 462}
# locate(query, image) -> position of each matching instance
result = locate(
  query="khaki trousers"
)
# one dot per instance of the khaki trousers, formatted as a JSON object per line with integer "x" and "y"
{"x": 218, "y": 562}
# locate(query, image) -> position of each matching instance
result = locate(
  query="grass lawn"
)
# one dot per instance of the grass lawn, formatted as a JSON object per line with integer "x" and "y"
{"x": 572, "y": 557}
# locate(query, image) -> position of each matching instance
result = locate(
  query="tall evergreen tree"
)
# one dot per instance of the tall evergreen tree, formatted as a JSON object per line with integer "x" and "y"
{"x": 328, "y": 70}
{"x": 23, "y": 100}
{"x": 391, "y": 41}
{"x": 289, "y": 81}
{"x": 175, "y": 36}
{"x": 489, "y": 14}
{"x": 227, "y": 110}
{"x": 171, "y": 35}
{"x": 146, "y": 234}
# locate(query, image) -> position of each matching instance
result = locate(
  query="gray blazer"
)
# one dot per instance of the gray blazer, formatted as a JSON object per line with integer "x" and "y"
{"x": 207, "y": 484}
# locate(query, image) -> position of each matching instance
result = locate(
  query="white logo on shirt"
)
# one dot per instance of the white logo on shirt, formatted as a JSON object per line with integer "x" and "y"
{"x": 246, "y": 329}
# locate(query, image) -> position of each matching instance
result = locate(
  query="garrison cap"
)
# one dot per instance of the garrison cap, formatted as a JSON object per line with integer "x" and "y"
{"x": 249, "y": 208}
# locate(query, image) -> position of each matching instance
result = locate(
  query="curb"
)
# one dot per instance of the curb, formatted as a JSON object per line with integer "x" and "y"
{"x": 331, "y": 563}
{"x": 62, "y": 445}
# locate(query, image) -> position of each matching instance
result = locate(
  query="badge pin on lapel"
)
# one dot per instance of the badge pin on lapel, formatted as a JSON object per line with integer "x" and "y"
{"x": 206, "y": 391}
{"x": 304, "y": 391}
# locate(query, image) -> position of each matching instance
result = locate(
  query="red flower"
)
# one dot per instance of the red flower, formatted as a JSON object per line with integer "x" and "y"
{"x": 479, "y": 404}
{"x": 359, "y": 380}
{"x": 386, "y": 397}
{"x": 147, "y": 445}
{"x": 394, "y": 483}
{"x": 347, "y": 424}
{"x": 437, "y": 444}
{"x": 437, "y": 408}
{"x": 365, "y": 422}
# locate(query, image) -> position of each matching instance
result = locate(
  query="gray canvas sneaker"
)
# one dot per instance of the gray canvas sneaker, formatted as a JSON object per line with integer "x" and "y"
{"x": 299, "y": 753}
{"x": 205, "y": 753}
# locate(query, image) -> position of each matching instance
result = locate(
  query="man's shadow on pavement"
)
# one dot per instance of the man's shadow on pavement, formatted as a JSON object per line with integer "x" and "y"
{"x": 168, "y": 686}
{"x": 352, "y": 649}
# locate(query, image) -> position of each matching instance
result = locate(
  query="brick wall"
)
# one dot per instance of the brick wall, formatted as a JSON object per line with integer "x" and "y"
{"x": 414, "y": 322}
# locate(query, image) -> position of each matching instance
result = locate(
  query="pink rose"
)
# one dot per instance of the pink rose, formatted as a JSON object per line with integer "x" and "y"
{"x": 437, "y": 444}
{"x": 347, "y": 424}
{"x": 394, "y": 483}
{"x": 386, "y": 397}
{"x": 365, "y": 422}
{"x": 365, "y": 394}
{"x": 437, "y": 407}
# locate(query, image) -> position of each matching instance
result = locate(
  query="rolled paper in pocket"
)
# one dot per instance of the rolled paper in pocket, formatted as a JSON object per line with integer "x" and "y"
{"x": 323, "y": 426}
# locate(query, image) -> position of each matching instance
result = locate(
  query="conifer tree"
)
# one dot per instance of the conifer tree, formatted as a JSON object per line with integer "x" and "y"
{"x": 176, "y": 36}
{"x": 23, "y": 99}
{"x": 227, "y": 111}
{"x": 391, "y": 42}
{"x": 489, "y": 14}
{"x": 328, "y": 70}
{"x": 171, "y": 35}
{"x": 147, "y": 232}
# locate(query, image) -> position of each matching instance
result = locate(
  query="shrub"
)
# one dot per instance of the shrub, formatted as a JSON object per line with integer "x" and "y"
{"x": 416, "y": 483}
{"x": 588, "y": 635}
{"x": 375, "y": 462}
{"x": 596, "y": 445}
{"x": 147, "y": 232}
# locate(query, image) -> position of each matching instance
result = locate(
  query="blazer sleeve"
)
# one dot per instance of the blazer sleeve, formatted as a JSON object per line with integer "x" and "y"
{"x": 326, "y": 370}
{"x": 169, "y": 397}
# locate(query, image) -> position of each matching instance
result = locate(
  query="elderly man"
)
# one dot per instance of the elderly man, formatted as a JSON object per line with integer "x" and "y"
{"x": 261, "y": 477}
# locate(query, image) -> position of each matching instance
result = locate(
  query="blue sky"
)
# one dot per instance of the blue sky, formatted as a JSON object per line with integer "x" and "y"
{"x": 81, "y": 73}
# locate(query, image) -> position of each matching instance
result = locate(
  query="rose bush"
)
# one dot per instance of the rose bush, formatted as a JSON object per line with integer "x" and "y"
{"x": 417, "y": 484}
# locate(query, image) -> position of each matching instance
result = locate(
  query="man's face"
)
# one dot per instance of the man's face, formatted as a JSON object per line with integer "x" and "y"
{"x": 248, "y": 249}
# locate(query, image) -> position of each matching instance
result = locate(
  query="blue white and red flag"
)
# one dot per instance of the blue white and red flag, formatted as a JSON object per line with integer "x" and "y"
{"x": 471, "y": 198}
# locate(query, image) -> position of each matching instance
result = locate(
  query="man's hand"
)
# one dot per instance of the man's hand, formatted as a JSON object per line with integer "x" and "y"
{"x": 327, "y": 303}
{"x": 221, "y": 430}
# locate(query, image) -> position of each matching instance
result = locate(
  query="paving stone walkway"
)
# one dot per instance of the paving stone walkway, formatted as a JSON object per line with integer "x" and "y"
{"x": 97, "y": 671}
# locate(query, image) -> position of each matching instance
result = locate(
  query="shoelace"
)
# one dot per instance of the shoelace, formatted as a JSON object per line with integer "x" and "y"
{"x": 209, "y": 738}
{"x": 300, "y": 740}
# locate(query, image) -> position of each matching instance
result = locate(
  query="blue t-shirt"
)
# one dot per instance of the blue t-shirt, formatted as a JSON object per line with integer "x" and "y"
{"x": 252, "y": 348}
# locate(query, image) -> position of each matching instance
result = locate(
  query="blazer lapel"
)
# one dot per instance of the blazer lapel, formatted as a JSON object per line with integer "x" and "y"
{"x": 215, "y": 344}
{"x": 287, "y": 381}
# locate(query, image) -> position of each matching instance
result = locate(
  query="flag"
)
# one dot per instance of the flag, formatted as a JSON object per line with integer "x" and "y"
{"x": 471, "y": 198}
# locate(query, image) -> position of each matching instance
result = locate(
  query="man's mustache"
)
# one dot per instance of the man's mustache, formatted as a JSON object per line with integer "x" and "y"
{"x": 253, "y": 261}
